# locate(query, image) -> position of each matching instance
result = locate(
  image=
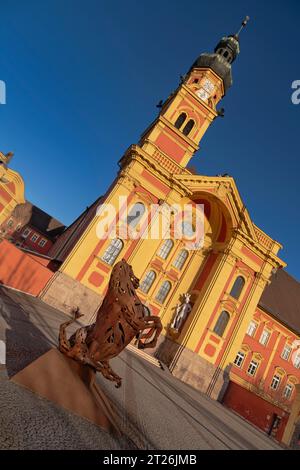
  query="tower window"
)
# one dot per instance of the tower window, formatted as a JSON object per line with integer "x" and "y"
{"x": 237, "y": 287}
{"x": 180, "y": 120}
{"x": 147, "y": 281}
{"x": 163, "y": 292}
{"x": 196, "y": 80}
{"x": 112, "y": 251}
{"x": 221, "y": 324}
{"x": 225, "y": 54}
{"x": 188, "y": 127}
{"x": 165, "y": 249}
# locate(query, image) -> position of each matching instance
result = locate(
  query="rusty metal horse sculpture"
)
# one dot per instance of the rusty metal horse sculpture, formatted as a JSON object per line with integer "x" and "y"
{"x": 120, "y": 318}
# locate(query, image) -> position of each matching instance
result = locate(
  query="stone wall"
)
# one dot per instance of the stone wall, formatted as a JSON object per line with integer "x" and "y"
{"x": 191, "y": 368}
{"x": 65, "y": 294}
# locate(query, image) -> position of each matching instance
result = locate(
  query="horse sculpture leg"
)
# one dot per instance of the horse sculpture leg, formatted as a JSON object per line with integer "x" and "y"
{"x": 157, "y": 328}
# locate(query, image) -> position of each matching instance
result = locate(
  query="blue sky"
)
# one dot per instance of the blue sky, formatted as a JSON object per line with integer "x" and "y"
{"x": 83, "y": 79}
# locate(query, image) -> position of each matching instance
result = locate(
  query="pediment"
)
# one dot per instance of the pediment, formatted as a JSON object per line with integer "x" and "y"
{"x": 225, "y": 190}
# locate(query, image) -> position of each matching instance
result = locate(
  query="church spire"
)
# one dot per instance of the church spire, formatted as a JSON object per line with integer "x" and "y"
{"x": 225, "y": 53}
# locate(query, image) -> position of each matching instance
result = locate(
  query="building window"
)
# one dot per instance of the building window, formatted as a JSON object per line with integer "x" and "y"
{"x": 239, "y": 359}
{"x": 237, "y": 287}
{"x": 181, "y": 259}
{"x": 286, "y": 352}
{"x": 264, "y": 337}
{"x": 34, "y": 237}
{"x": 252, "y": 368}
{"x": 188, "y": 127}
{"x": 297, "y": 361}
{"x": 147, "y": 281}
{"x": 18, "y": 228}
{"x": 221, "y": 324}
{"x": 288, "y": 390}
{"x": 275, "y": 382}
{"x": 135, "y": 214}
{"x": 42, "y": 242}
{"x": 26, "y": 232}
{"x": 251, "y": 328}
{"x": 165, "y": 249}
{"x": 10, "y": 223}
{"x": 112, "y": 251}
{"x": 163, "y": 292}
{"x": 180, "y": 120}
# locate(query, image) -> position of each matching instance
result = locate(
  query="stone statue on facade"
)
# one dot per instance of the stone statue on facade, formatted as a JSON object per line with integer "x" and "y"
{"x": 182, "y": 312}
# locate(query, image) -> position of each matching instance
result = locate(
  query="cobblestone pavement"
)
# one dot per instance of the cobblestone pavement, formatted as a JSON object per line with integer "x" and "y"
{"x": 155, "y": 410}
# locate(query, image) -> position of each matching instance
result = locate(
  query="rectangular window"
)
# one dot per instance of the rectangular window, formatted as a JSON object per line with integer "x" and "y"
{"x": 251, "y": 328}
{"x": 288, "y": 390}
{"x": 239, "y": 359}
{"x": 297, "y": 361}
{"x": 34, "y": 237}
{"x": 42, "y": 242}
{"x": 275, "y": 382}
{"x": 26, "y": 232}
{"x": 264, "y": 337}
{"x": 286, "y": 352}
{"x": 252, "y": 368}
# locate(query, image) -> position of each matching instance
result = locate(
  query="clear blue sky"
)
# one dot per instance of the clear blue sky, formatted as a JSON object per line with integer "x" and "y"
{"x": 83, "y": 78}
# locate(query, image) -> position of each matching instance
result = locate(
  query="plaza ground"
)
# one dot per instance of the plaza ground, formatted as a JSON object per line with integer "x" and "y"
{"x": 154, "y": 409}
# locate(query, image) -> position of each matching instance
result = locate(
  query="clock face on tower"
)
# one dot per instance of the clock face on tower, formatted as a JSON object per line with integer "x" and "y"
{"x": 208, "y": 86}
{"x": 203, "y": 94}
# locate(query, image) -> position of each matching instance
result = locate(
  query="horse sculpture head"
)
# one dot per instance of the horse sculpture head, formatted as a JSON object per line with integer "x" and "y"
{"x": 123, "y": 279}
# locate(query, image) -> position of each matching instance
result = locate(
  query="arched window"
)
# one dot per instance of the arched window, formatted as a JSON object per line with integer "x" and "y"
{"x": 147, "y": 281}
{"x": 165, "y": 249}
{"x": 135, "y": 214}
{"x": 163, "y": 292}
{"x": 181, "y": 259}
{"x": 188, "y": 127}
{"x": 237, "y": 287}
{"x": 221, "y": 324}
{"x": 180, "y": 120}
{"x": 112, "y": 251}
{"x": 225, "y": 54}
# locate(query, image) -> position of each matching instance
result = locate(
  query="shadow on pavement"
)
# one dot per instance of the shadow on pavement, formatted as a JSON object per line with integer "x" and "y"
{"x": 24, "y": 341}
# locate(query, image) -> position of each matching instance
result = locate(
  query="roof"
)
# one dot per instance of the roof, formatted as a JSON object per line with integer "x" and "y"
{"x": 38, "y": 219}
{"x": 281, "y": 298}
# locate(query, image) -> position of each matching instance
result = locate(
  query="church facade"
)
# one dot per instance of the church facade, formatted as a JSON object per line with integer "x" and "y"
{"x": 223, "y": 344}
{"x": 229, "y": 328}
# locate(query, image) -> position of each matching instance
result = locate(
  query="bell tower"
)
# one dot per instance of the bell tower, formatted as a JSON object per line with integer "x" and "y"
{"x": 188, "y": 112}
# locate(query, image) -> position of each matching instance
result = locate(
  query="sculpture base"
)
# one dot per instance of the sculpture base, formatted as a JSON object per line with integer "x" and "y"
{"x": 69, "y": 384}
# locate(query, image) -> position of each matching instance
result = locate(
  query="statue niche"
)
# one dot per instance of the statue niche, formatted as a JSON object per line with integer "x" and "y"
{"x": 181, "y": 314}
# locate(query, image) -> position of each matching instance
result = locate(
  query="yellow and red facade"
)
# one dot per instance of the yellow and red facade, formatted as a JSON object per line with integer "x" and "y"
{"x": 155, "y": 172}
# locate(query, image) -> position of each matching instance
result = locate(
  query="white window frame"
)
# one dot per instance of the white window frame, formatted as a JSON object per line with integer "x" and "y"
{"x": 296, "y": 361}
{"x": 26, "y": 232}
{"x": 275, "y": 382}
{"x": 42, "y": 242}
{"x": 286, "y": 355}
{"x": 288, "y": 391}
{"x": 240, "y": 357}
{"x": 252, "y": 327}
{"x": 34, "y": 238}
{"x": 264, "y": 337}
{"x": 252, "y": 369}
